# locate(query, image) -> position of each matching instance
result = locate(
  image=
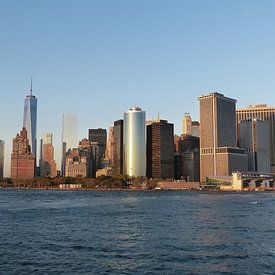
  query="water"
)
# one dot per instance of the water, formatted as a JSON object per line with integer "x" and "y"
{"x": 88, "y": 232}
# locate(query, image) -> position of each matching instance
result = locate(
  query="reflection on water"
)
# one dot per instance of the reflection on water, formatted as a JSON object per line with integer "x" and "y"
{"x": 136, "y": 232}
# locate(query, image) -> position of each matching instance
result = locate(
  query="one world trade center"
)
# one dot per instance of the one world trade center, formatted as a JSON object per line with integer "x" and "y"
{"x": 30, "y": 120}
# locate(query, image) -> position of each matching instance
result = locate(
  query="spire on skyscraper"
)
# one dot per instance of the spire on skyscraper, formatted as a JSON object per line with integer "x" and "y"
{"x": 31, "y": 86}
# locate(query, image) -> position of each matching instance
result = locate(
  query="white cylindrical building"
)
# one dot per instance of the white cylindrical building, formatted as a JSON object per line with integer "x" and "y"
{"x": 134, "y": 144}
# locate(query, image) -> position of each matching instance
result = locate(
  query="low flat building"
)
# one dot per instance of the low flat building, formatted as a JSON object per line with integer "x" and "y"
{"x": 108, "y": 171}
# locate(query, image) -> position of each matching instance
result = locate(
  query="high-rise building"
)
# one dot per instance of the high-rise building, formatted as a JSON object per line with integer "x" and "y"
{"x": 2, "y": 154}
{"x": 48, "y": 166}
{"x": 219, "y": 154}
{"x": 187, "y": 158}
{"x": 160, "y": 150}
{"x": 30, "y": 120}
{"x": 109, "y": 155}
{"x": 22, "y": 159}
{"x": 187, "y": 124}
{"x": 100, "y": 136}
{"x": 262, "y": 112}
{"x": 118, "y": 147}
{"x": 254, "y": 138}
{"x": 134, "y": 147}
{"x": 69, "y": 136}
{"x": 195, "y": 129}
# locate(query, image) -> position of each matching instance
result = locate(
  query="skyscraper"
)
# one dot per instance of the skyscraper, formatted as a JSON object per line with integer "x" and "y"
{"x": 69, "y": 136}
{"x": 47, "y": 162}
{"x": 160, "y": 150}
{"x": 187, "y": 124}
{"x": 262, "y": 112}
{"x": 2, "y": 151}
{"x": 109, "y": 155}
{"x": 22, "y": 159}
{"x": 30, "y": 120}
{"x": 254, "y": 138}
{"x": 134, "y": 147}
{"x": 118, "y": 147}
{"x": 219, "y": 154}
{"x": 99, "y": 135}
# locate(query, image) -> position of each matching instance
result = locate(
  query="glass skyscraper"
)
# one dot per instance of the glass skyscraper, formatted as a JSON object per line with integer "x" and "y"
{"x": 30, "y": 120}
{"x": 134, "y": 147}
{"x": 69, "y": 135}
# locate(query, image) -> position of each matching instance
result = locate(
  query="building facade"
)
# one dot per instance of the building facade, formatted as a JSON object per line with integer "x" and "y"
{"x": 254, "y": 139}
{"x": 2, "y": 157}
{"x": 118, "y": 148}
{"x": 110, "y": 146}
{"x": 22, "y": 159}
{"x": 160, "y": 150}
{"x": 69, "y": 136}
{"x": 134, "y": 146}
{"x": 100, "y": 136}
{"x": 187, "y": 158}
{"x": 261, "y": 112}
{"x": 219, "y": 154}
{"x": 48, "y": 167}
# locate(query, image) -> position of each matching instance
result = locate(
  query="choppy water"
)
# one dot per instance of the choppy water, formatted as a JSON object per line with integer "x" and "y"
{"x": 88, "y": 232}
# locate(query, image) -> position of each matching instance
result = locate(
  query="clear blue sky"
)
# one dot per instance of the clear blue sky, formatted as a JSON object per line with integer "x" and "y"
{"x": 98, "y": 58}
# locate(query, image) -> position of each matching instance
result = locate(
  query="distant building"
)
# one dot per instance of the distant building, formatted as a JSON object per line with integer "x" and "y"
{"x": 261, "y": 112}
{"x": 160, "y": 150}
{"x": 187, "y": 124}
{"x": 2, "y": 156}
{"x": 118, "y": 147}
{"x": 134, "y": 161}
{"x": 30, "y": 120}
{"x": 104, "y": 172}
{"x": 69, "y": 136}
{"x": 22, "y": 159}
{"x": 219, "y": 155}
{"x": 76, "y": 164}
{"x": 195, "y": 129}
{"x": 187, "y": 158}
{"x": 110, "y": 146}
{"x": 100, "y": 136}
{"x": 254, "y": 138}
{"x": 48, "y": 166}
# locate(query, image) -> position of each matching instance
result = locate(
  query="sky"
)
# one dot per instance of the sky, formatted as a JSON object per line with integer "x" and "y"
{"x": 97, "y": 58}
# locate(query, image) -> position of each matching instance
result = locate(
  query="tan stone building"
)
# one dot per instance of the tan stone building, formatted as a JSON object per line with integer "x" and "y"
{"x": 219, "y": 154}
{"x": 22, "y": 160}
{"x": 76, "y": 164}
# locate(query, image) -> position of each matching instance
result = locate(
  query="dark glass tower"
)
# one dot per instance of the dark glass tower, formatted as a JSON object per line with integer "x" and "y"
{"x": 30, "y": 120}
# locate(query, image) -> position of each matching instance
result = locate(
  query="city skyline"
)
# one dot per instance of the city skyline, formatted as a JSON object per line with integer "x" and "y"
{"x": 167, "y": 55}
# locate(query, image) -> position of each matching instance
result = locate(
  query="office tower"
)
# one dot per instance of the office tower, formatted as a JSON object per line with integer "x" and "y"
{"x": 47, "y": 163}
{"x": 69, "y": 136}
{"x": 109, "y": 155}
{"x": 219, "y": 154}
{"x": 186, "y": 124}
{"x": 187, "y": 158}
{"x": 2, "y": 152}
{"x": 30, "y": 120}
{"x": 22, "y": 159}
{"x": 262, "y": 112}
{"x": 195, "y": 129}
{"x": 100, "y": 136}
{"x": 254, "y": 138}
{"x": 85, "y": 149}
{"x": 96, "y": 157}
{"x": 118, "y": 147}
{"x": 160, "y": 150}
{"x": 134, "y": 148}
